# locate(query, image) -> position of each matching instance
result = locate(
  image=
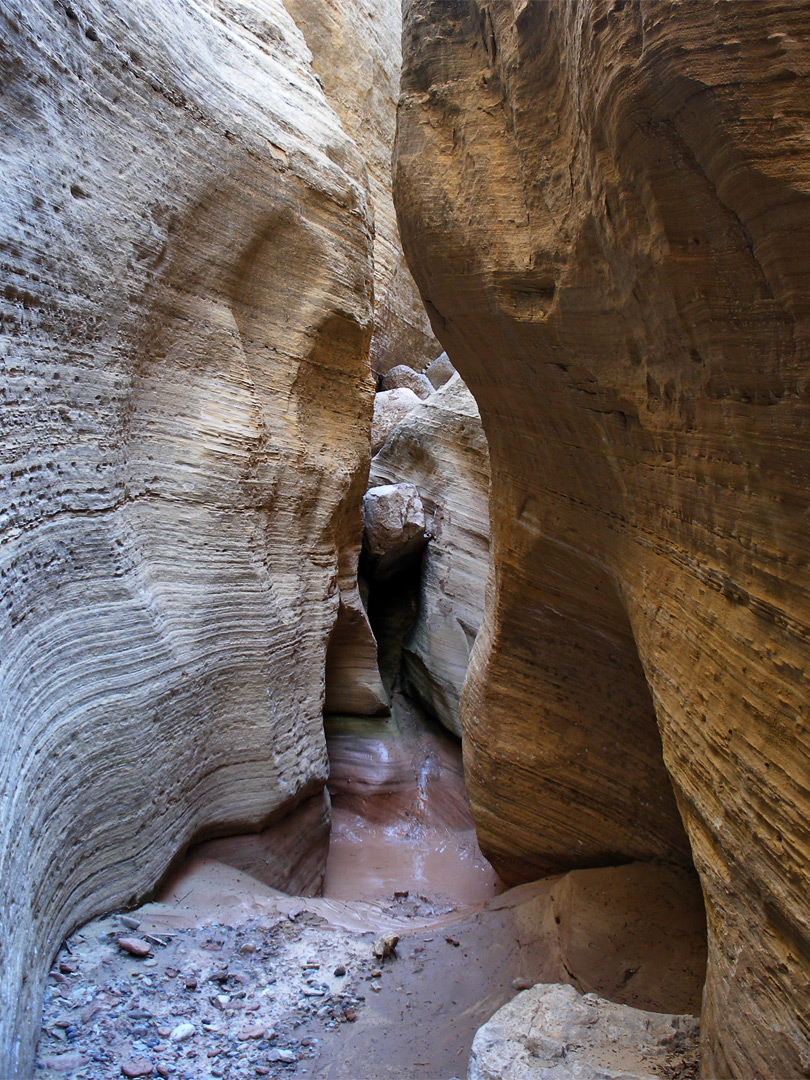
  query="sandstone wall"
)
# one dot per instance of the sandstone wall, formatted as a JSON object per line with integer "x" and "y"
{"x": 186, "y": 402}
{"x": 357, "y": 56}
{"x": 605, "y": 205}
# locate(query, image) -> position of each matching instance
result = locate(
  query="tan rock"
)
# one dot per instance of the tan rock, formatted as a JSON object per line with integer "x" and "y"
{"x": 440, "y": 370}
{"x": 607, "y": 205}
{"x": 356, "y": 49}
{"x": 186, "y": 403}
{"x": 390, "y": 406}
{"x": 441, "y": 449}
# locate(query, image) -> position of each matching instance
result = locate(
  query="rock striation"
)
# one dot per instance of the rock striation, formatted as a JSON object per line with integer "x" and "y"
{"x": 606, "y": 206}
{"x": 356, "y": 54}
{"x": 440, "y": 448}
{"x": 186, "y": 404}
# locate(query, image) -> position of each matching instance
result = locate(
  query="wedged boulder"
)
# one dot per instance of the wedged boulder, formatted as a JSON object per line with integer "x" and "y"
{"x": 390, "y": 406}
{"x": 551, "y": 1032}
{"x": 440, "y": 371}
{"x": 395, "y": 528}
{"x": 402, "y": 375}
{"x": 440, "y": 447}
{"x": 186, "y": 404}
{"x": 608, "y": 207}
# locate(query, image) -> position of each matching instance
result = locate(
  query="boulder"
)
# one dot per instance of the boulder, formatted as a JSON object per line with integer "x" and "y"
{"x": 402, "y": 375}
{"x": 395, "y": 528}
{"x": 552, "y": 1032}
{"x": 390, "y": 406}
{"x": 440, "y": 371}
{"x": 441, "y": 448}
{"x": 186, "y": 400}
{"x": 608, "y": 206}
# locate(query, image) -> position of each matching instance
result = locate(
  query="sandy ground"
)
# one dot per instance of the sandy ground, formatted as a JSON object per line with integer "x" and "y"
{"x": 244, "y": 981}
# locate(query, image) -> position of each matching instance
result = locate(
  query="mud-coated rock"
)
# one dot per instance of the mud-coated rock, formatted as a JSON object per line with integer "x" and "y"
{"x": 186, "y": 401}
{"x": 607, "y": 205}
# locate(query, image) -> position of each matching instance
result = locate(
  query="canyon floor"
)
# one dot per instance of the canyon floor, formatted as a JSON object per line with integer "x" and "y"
{"x": 241, "y": 980}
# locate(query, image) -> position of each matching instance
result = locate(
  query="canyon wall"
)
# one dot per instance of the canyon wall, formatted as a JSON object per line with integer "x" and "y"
{"x": 186, "y": 401}
{"x": 357, "y": 56}
{"x": 606, "y": 206}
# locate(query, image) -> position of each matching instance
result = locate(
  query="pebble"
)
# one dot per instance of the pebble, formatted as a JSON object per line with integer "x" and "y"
{"x": 137, "y": 1067}
{"x": 183, "y": 1032}
{"x": 385, "y": 946}
{"x": 68, "y": 967}
{"x": 256, "y": 1031}
{"x": 129, "y": 922}
{"x": 134, "y": 946}
{"x": 285, "y": 1056}
{"x": 163, "y": 1069}
{"x": 66, "y": 1062}
{"x": 339, "y": 970}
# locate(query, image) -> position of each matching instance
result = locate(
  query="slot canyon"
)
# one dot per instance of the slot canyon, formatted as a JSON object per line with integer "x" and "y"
{"x": 405, "y": 632}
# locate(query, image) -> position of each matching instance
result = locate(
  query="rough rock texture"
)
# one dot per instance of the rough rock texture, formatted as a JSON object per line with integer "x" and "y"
{"x": 440, "y": 448}
{"x": 395, "y": 528}
{"x": 402, "y": 375}
{"x": 186, "y": 401}
{"x": 606, "y": 206}
{"x": 357, "y": 55}
{"x": 390, "y": 406}
{"x": 553, "y": 1033}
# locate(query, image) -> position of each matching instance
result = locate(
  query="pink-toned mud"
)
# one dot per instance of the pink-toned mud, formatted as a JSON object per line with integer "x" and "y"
{"x": 400, "y": 817}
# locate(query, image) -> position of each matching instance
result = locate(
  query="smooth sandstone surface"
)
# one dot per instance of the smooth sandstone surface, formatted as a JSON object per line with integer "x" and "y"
{"x": 441, "y": 449}
{"x": 186, "y": 400}
{"x": 606, "y": 206}
{"x": 356, "y": 49}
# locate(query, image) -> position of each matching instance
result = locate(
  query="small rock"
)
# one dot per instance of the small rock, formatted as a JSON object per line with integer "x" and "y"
{"x": 135, "y": 946}
{"x": 137, "y": 1067}
{"x": 164, "y": 1032}
{"x": 163, "y": 1069}
{"x": 191, "y": 983}
{"x": 256, "y": 1031}
{"x": 247, "y": 948}
{"x": 285, "y": 1056}
{"x": 262, "y": 1070}
{"x": 350, "y": 1015}
{"x": 183, "y": 1032}
{"x": 401, "y": 894}
{"x": 129, "y": 922}
{"x": 340, "y": 970}
{"x": 66, "y": 1062}
{"x": 150, "y": 963}
{"x": 376, "y": 973}
{"x": 452, "y": 941}
{"x": 376, "y": 987}
{"x": 68, "y": 967}
{"x": 385, "y": 946}
{"x": 522, "y": 984}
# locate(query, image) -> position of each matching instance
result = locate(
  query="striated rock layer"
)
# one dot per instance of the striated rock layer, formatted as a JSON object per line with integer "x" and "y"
{"x": 186, "y": 403}
{"x": 357, "y": 56}
{"x": 606, "y": 206}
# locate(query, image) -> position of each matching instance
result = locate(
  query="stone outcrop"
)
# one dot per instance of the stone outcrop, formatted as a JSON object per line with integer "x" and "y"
{"x": 440, "y": 448}
{"x": 186, "y": 309}
{"x": 605, "y": 205}
{"x": 553, "y": 1033}
{"x": 356, "y": 55}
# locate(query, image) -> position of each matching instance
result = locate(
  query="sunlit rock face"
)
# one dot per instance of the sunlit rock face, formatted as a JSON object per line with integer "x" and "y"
{"x": 186, "y": 307}
{"x": 605, "y": 205}
{"x": 356, "y": 49}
